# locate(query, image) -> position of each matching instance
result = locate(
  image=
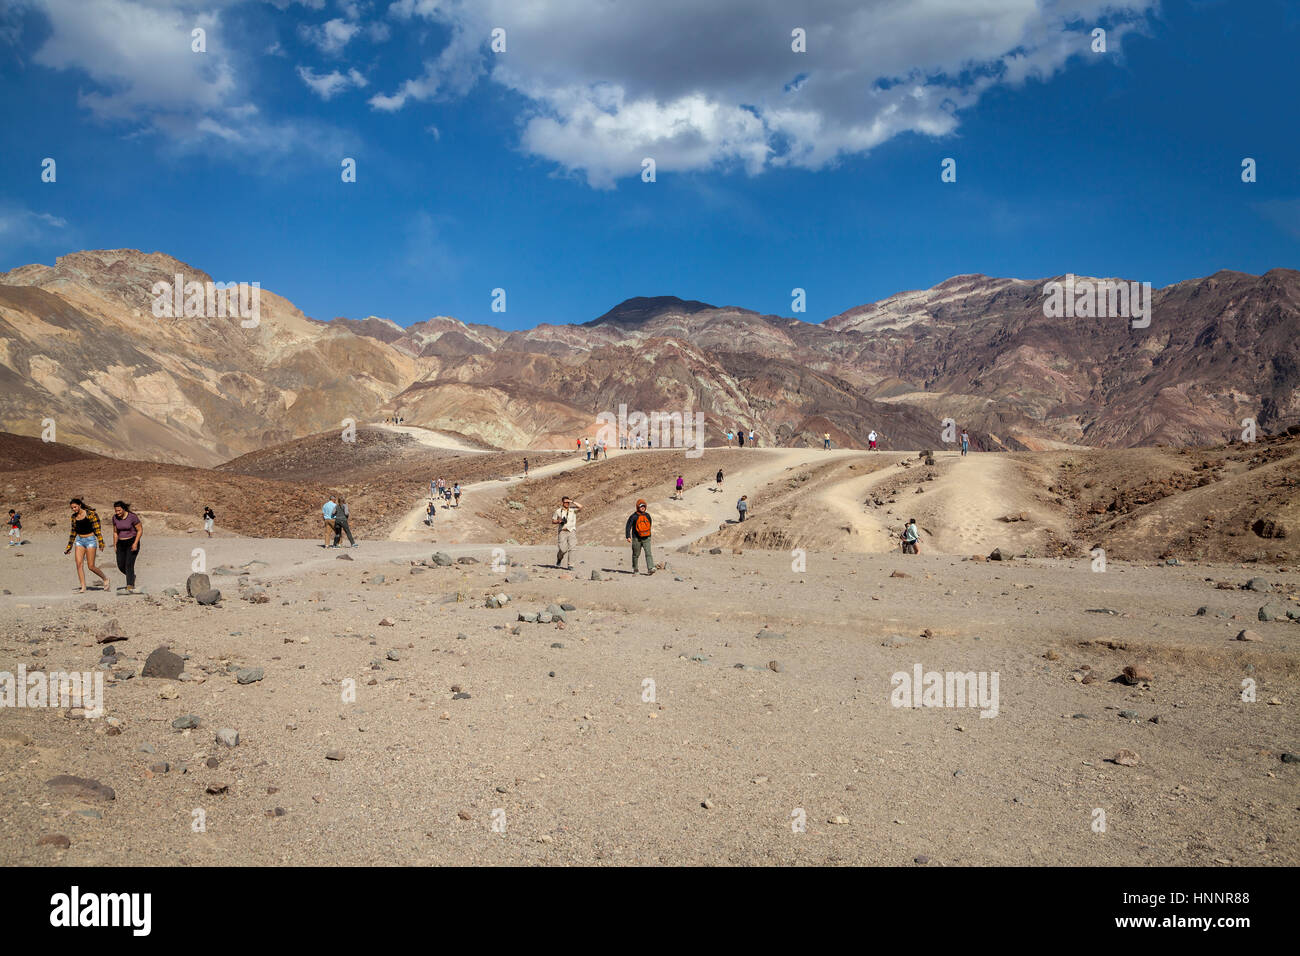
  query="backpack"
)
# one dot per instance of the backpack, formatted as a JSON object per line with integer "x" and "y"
{"x": 642, "y": 525}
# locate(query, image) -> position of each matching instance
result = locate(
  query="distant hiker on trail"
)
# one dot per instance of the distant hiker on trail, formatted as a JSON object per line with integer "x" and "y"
{"x": 730, "y": 435}
{"x": 341, "y": 514}
{"x": 603, "y": 450}
{"x": 753, "y": 442}
{"x": 455, "y": 493}
{"x": 327, "y": 511}
{"x": 742, "y": 506}
{"x": 85, "y": 534}
{"x": 871, "y": 440}
{"x": 127, "y": 534}
{"x": 525, "y": 467}
{"x": 209, "y": 516}
{"x": 566, "y": 521}
{"x": 741, "y": 435}
{"x": 579, "y": 444}
{"x": 587, "y": 443}
{"x": 680, "y": 486}
{"x": 826, "y": 441}
{"x": 965, "y": 442}
{"x": 429, "y": 512}
{"x": 637, "y": 532}
{"x": 15, "y": 527}
{"x": 717, "y": 480}
{"x": 911, "y": 538}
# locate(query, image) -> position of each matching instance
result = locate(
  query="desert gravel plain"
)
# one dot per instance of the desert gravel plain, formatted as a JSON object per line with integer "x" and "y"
{"x": 771, "y": 739}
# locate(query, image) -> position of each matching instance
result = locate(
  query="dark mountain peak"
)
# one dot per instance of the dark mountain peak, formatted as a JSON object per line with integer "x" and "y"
{"x": 641, "y": 309}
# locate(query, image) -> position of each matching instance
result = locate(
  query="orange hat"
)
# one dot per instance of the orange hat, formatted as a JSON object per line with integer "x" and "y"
{"x": 640, "y": 502}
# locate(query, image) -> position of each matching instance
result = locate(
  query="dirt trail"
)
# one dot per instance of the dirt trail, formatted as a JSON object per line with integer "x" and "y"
{"x": 704, "y": 508}
{"x": 964, "y": 505}
{"x": 845, "y": 499}
{"x": 430, "y": 438}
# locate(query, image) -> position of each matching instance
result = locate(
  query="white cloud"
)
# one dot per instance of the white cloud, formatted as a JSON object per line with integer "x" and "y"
{"x": 331, "y": 36}
{"x": 702, "y": 85}
{"x": 329, "y": 85}
{"x": 21, "y": 229}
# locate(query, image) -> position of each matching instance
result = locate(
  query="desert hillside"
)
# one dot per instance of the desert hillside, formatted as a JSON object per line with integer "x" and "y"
{"x": 79, "y": 344}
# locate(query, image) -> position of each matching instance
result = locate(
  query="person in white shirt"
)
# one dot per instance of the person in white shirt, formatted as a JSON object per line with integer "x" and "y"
{"x": 566, "y": 521}
{"x": 871, "y": 440}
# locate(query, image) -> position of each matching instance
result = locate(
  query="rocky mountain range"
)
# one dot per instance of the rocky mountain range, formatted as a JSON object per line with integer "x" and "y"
{"x": 80, "y": 344}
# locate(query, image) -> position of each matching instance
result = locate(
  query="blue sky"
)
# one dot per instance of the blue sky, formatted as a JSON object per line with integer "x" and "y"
{"x": 775, "y": 169}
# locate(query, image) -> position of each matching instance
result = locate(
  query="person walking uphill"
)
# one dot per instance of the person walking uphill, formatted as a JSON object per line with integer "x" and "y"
{"x": 566, "y": 521}
{"x": 637, "y": 532}
{"x": 85, "y": 534}
{"x": 127, "y": 534}
{"x": 742, "y": 506}
{"x": 327, "y": 511}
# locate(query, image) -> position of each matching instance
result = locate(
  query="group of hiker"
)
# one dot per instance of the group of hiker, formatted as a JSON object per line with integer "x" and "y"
{"x": 637, "y": 530}
{"x": 86, "y": 540}
{"x": 738, "y": 435}
{"x": 448, "y": 494}
{"x": 336, "y": 514}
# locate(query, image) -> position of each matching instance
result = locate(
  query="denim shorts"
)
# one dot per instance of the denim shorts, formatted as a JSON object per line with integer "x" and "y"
{"x": 87, "y": 541}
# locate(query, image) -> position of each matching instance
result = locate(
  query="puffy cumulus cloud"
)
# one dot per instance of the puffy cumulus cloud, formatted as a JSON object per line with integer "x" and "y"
{"x": 701, "y": 85}
{"x": 143, "y": 73}
{"x": 139, "y": 55}
{"x": 329, "y": 85}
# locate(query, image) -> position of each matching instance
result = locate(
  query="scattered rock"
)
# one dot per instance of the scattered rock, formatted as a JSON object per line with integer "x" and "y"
{"x": 516, "y": 577}
{"x": 394, "y": 655}
{"x": 442, "y": 559}
{"x": 1248, "y": 635}
{"x": 715, "y": 550}
{"x": 161, "y": 662}
{"x": 82, "y": 788}
{"x": 187, "y": 722}
{"x": 1135, "y": 675}
{"x": 57, "y": 840}
{"x": 344, "y": 557}
{"x": 227, "y": 737}
{"x": 249, "y": 675}
{"x": 1272, "y": 612}
{"x": 196, "y": 583}
{"x": 1126, "y": 758}
{"x": 333, "y": 755}
{"x": 1129, "y": 714}
{"x": 208, "y": 597}
{"x": 387, "y": 622}
{"x": 996, "y": 555}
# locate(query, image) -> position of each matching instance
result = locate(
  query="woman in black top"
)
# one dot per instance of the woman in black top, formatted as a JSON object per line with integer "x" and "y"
{"x": 84, "y": 534}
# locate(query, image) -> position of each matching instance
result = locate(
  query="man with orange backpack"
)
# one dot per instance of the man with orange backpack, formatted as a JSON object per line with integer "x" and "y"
{"x": 637, "y": 533}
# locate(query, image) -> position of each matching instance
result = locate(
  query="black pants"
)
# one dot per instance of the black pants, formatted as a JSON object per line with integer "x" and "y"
{"x": 126, "y": 561}
{"x": 341, "y": 528}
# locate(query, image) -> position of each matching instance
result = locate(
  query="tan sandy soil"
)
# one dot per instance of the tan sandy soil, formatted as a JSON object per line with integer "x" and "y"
{"x": 560, "y": 740}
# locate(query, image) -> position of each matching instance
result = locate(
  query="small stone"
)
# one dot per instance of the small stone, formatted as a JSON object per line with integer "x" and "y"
{"x": 1126, "y": 758}
{"x": 922, "y": 859}
{"x": 1248, "y": 635}
{"x": 460, "y": 696}
{"x": 775, "y": 667}
{"x": 1136, "y": 675}
{"x": 333, "y": 755}
{"x": 218, "y": 787}
{"x": 387, "y": 622}
{"x": 838, "y": 821}
{"x": 57, "y": 840}
{"x": 707, "y": 804}
{"x": 209, "y": 597}
{"x": 249, "y": 675}
{"x": 160, "y": 767}
{"x": 394, "y": 655}
{"x": 83, "y": 788}
{"x": 188, "y": 722}
{"x": 597, "y": 576}
{"x": 1129, "y": 714}
{"x": 196, "y": 583}
{"x": 228, "y": 737}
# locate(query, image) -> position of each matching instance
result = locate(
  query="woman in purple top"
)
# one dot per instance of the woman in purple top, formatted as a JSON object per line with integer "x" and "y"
{"x": 127, "y": 532}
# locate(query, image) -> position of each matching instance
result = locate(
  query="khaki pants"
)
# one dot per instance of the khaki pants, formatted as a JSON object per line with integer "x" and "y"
{"x": 567, "y": 541}
{"x": 639, "y": 545}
